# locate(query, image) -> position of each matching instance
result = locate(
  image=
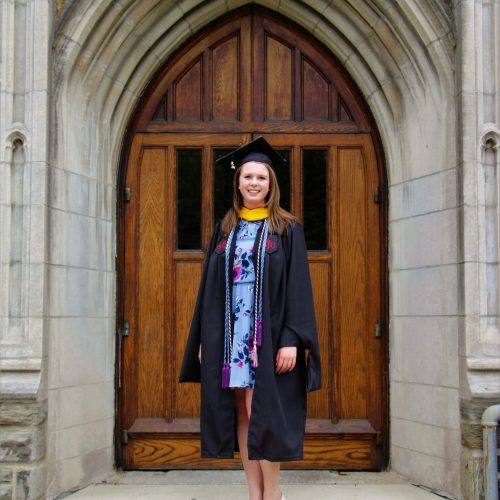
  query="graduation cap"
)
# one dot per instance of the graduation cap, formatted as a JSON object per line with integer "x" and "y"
{"x": 257, "y": 150}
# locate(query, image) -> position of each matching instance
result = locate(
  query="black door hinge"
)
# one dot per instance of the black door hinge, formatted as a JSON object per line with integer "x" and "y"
{"x": 124, "y": 436}
{"x": 125, "y": 330}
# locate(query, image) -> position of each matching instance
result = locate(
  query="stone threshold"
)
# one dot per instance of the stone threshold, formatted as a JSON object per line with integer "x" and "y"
{"x": 214, "y": 485}
{"x": 237, "y": 477}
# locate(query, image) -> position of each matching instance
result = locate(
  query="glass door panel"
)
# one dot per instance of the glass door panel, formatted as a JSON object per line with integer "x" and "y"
{"x": 314, "y": 189}
{"x": 189, "y": 164}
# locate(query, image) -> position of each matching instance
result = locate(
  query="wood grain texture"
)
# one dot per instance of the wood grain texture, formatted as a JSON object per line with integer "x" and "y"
{"x": 225, "y": 80}
{"x": 279, "y": 80}
{"x": 150, "y": 296}
{"x": 184, "y": 453}
{"x": 187, "y": 277}
{"x": 188, "y": 94}
{"x": 316, "y": 93}
{"x": 354, "y": 288}
{"x": 318, "y": 402}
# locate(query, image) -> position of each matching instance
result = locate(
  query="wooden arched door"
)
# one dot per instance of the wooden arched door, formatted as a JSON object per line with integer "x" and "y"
{"x": 252, "y": 74}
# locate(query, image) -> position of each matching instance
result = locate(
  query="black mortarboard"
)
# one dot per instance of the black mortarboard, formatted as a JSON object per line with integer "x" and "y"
{"x": 257, "y": 150}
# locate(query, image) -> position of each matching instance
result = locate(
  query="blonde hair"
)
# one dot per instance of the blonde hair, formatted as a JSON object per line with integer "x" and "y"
{"x": 279, "y": 219}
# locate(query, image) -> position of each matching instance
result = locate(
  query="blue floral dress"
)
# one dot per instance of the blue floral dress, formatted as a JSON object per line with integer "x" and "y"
{"x": 242, "y": 372}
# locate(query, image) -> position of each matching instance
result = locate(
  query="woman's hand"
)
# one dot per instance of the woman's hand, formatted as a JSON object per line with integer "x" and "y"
{"x": 285, "y": 359}
{"x": 199, "y": 354}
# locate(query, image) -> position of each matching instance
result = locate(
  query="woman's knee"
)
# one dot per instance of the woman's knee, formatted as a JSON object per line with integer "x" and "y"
{"x": 240, "y": 401}
{"x": 243, "y": 402}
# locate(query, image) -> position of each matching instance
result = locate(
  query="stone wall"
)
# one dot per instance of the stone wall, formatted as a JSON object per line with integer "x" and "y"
{"x": 25, "y": 55}
{"x": 478, "y": 23}
{"x": 22, "y": 449}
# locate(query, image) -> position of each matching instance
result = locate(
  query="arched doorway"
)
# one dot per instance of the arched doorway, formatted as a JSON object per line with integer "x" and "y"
{"x": 252, "y": 73}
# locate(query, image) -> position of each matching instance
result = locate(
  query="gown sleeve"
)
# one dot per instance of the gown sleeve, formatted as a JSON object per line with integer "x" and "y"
{"x": 300, "y": 322}
{"x": 190, "y": 369}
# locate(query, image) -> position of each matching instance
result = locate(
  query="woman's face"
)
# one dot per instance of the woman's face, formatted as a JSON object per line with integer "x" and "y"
{"x": 254, "y": 184}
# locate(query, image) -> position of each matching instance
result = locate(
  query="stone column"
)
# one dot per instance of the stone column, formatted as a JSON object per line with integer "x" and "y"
{"x": 478, "y": 63}
{"x": 25, "y": 31}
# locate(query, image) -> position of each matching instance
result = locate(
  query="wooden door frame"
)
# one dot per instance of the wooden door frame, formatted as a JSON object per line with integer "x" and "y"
{"x": 255, "y": 129}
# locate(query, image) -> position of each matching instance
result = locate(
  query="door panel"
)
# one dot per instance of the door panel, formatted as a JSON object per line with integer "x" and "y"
{"x": 206, "y": 102}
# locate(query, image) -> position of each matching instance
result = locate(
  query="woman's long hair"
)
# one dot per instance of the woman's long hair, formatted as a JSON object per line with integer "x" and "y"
{"x": 279, "y": 218}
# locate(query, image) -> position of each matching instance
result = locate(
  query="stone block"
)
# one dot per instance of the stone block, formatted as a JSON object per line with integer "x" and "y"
{"x": 425, "y": 350}
{"x": 383, "y": 65}
{"x": 137, "y": 13}
{"x": 41, "y": 13}
{"x": 81, "y": 292}
{"x": 427, "y": 470}
{"x": 8, "y": 335}
{"x": 428, "y": 439}
{"x": 30, "y": 483}
{"x": 471, "y": 411}
{"x": 472, "y": 235}
{"x": 470, "y": 304}
{"x": 39, "y": 106}
{"x": 431, "y": 193}
{"x": 82, "y": 350}
{"x": 6, "y": 240}
{"x": 424, "y": 240}
{"x": 327, "y": 34}
{"x": 427, "y": 291}
{"x": 36, "y": 326}
{"x": 106, "y": 201}
{"x": 5, "y": 492}
{"x": 5, "y": 475}
{"x": 53, "y": 412}
{"x": 111, "y": 350}
{"x": 471, "y": 465}
{"x": 80, "y": 471}
{"x": 81, "y": 404}
{"x": 427, "y": 404}
{"x": 22, "y": 413}
{"x": 22, "y": 445}
{"x": 479, "y": 376}
{"x": 81, "y": 241}
{"x": 35, "y": 290}
{"x": 424, "y": 142}
{"x": 73, "y": 192}
{"x": 351, "y": 25}
{"x": 20, "y": 385}
{"x": 37, "y": 234}
{"x": 39, "y": 184}
{"x": 83, "y": 439}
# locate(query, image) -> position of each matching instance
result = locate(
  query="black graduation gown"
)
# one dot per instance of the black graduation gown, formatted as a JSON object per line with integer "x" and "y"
{"x": 277, "y": 422}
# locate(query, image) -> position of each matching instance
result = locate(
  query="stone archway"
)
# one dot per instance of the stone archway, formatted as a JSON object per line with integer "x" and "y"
{"x": 400, "y": 56}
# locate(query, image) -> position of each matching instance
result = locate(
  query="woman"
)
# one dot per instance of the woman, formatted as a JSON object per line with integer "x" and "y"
{"x": 253, "y": 321}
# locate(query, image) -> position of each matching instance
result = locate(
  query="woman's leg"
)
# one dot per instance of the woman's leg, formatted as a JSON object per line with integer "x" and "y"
{"x": 269, "y": 471}
{"x": 253, "y": 472}
{"x": 271, "y": 474}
